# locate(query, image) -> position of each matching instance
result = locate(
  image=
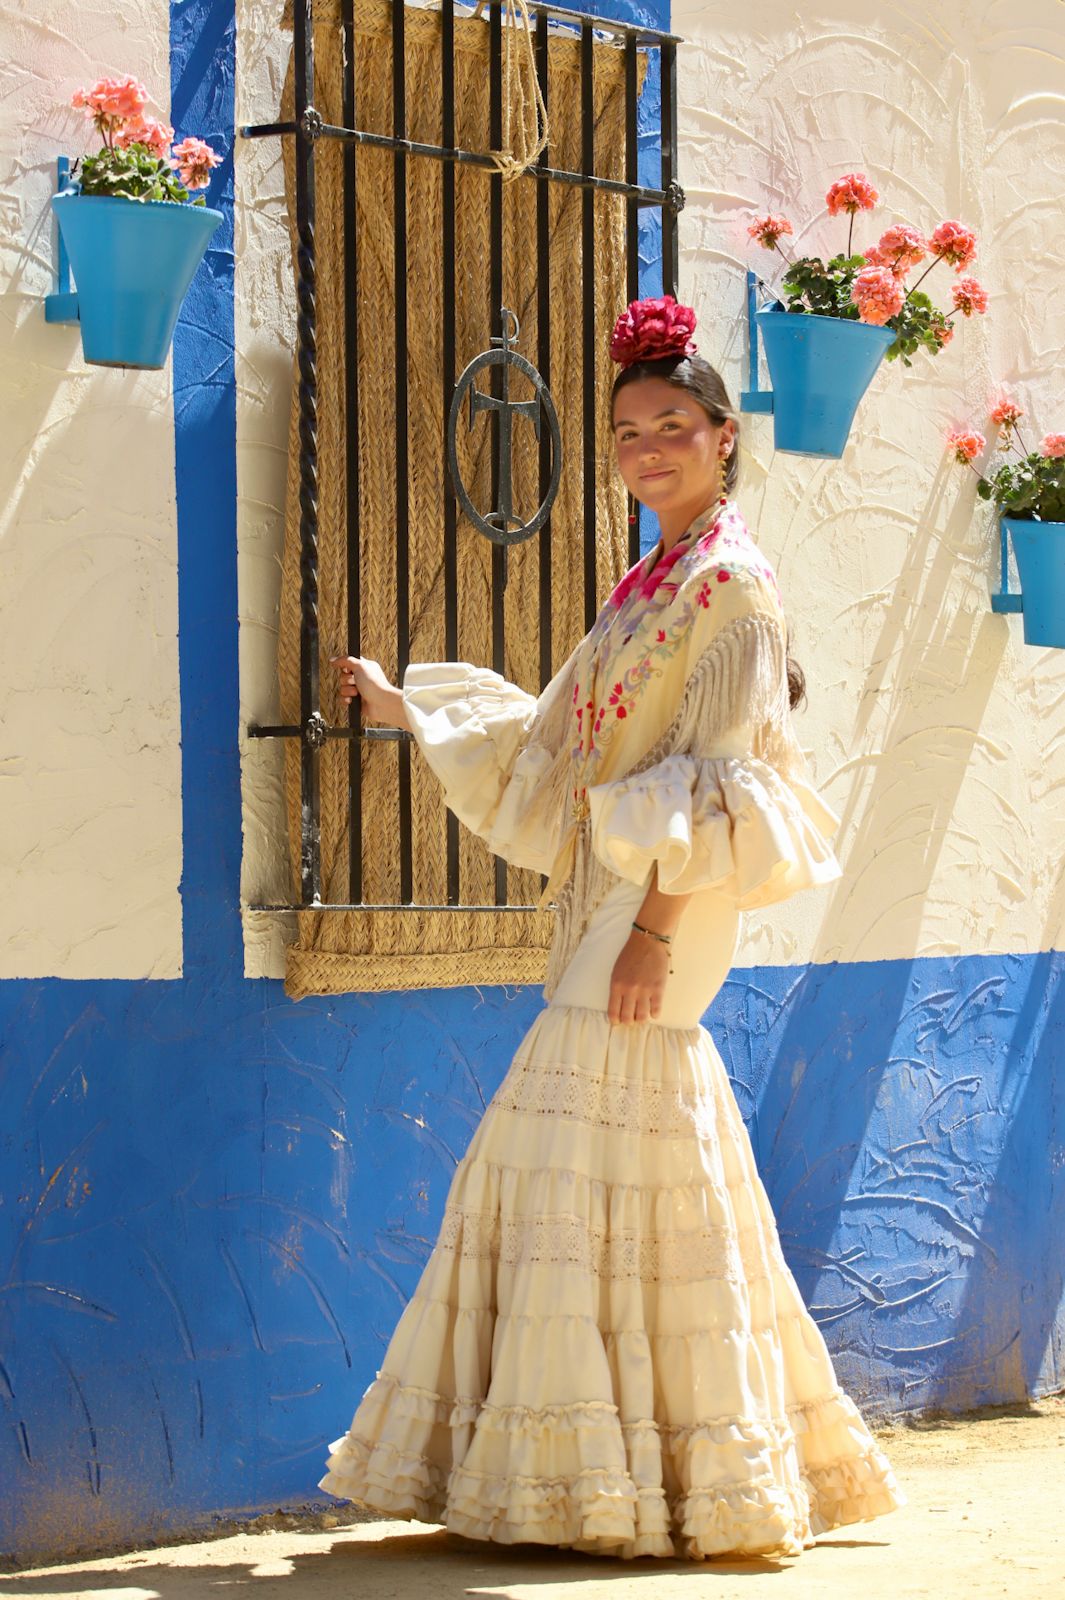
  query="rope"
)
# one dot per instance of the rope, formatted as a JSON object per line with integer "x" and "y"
{"x": 518, "y": 112}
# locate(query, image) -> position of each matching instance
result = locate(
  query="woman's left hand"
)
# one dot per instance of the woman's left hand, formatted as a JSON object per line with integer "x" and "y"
{"x": 638, "y": 981}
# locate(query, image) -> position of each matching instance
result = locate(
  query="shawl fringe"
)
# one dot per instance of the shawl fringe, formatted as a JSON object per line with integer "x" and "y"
{"x": 739, "y": 680}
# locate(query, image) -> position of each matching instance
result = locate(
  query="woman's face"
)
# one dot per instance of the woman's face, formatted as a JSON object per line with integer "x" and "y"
{"x": 669, "y": 451}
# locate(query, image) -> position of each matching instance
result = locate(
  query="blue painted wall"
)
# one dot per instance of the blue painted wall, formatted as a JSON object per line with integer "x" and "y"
{"x": 213, "y": 1202}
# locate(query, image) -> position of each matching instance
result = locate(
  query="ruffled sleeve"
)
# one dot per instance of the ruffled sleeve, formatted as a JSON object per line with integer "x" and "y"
{"x": 724, "y": 802}
{"x": 493, "y": 748}
{"x": 727, "y": 823}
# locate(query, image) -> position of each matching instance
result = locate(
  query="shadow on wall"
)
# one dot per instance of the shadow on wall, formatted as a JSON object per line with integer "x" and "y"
{"x": 946, "y": 663}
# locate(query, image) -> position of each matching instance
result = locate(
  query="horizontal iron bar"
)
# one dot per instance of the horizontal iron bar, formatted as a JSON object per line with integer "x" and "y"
{"x": 290, "y": 731}
{"x": 322, "y": 905}
{"x": 601, "y": 24}
{"x": 383, "y": 141}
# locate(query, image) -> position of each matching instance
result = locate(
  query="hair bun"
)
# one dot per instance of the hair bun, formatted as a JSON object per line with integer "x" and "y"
{"x": 652, "y": 330}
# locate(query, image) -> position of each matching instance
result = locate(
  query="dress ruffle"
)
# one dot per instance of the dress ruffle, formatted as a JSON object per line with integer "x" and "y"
{"x": 473, "y": 727}
{"x": 577, "y": 1476}
{"x": 606, "y": 1349}
{"x": 728, "y": 823}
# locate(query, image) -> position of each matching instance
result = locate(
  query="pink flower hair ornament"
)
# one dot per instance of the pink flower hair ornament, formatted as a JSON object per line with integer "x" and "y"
{"x": 653, "y": 330}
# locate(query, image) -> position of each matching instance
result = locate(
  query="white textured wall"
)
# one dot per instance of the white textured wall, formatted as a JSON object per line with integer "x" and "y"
{"x": 90, "y": 801}
{"x": 935, "y": 731}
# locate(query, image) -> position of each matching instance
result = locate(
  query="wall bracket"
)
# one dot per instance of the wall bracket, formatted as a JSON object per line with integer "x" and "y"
{"x": 755, "y": 398}
{"x": 62, "y": 304}
{"x": 1005, "y": 600}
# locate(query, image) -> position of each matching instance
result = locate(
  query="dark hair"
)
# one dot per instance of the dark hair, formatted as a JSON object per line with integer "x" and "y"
{"x": 705, "y": 384}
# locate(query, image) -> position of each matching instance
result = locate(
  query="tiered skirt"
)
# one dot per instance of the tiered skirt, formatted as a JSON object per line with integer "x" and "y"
{"x": 607, "y": 1350}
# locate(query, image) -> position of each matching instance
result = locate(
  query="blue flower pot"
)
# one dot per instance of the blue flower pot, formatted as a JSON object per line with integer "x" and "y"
{"x": 1040, "y": 551}
{"x": 819, "y": 367}
{"x": 133, "y": 261}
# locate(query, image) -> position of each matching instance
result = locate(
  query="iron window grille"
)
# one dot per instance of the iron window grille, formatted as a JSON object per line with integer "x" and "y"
{"x": 308, "y": 127}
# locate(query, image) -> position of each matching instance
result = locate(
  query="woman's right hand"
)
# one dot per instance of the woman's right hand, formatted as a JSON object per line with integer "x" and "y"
{"x": 381, "y": 700}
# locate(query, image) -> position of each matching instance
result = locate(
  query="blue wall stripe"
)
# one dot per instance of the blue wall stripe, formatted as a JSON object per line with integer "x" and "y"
{"x": 216, "y": 1201}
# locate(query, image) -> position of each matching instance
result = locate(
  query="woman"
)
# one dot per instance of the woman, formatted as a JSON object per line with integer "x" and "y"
{"x": 606, "y": 1349}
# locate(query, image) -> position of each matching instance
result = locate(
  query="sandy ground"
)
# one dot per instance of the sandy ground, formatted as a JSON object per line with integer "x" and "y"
{"x": 986, "y": 1516}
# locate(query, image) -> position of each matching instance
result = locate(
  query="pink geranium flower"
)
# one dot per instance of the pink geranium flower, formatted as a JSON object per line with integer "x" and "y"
{"x": 877, "y": 293}
{"x": 969, "y": 296}
{"x": 1052, "y": 445}
{"x": 955, "y": 243}
{"x": 110, "y": 102}
{"x": 942, "y": 333}
{"x": 966, "y": 445}
{"x": 899, "y": 248}
{"x": 851, "y": 193}
{"x": 149, "y": 131}
{"x": 769, "y": 229}
{"x": 1004, "y": 410}
{"x": 194, "y": 160}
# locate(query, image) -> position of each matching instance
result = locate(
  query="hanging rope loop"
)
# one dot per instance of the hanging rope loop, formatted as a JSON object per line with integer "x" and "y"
{"x": 525, "y": 127}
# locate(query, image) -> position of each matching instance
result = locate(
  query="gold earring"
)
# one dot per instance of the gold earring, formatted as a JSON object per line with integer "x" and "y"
{"x": 722, "y": 473}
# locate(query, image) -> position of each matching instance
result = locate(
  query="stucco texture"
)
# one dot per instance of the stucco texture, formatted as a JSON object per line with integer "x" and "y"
{"x": 90, "y": 797}
{"x": 935, "y": 731}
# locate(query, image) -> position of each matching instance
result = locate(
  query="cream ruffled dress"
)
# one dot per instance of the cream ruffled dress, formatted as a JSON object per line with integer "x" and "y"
{"x": 606, "y": 1349}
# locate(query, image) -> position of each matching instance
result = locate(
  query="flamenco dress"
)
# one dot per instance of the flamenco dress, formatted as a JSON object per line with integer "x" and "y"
{"x": 606, "y": 1349}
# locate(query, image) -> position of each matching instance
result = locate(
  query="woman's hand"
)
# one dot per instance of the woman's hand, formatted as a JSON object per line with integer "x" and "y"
{"x": 381, "y": 700}
{"x": 638, "y": 981}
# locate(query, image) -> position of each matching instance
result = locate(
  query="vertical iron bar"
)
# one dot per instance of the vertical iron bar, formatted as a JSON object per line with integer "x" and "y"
{"x": 632, "y": 227}
{"x": 543, "y": 358}
{"x": 447, "y": 246}
{"x": 588, "y": 277}
{"x": 669, "y": 172}
{"x": 306, "y": 328}
{"x": 351, "y": 448}
{"x": 399, "y": 130}
{"x": 495, "y": 279}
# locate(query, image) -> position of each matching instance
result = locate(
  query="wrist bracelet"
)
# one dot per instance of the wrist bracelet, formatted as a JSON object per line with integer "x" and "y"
{"x": 663, "y": 938}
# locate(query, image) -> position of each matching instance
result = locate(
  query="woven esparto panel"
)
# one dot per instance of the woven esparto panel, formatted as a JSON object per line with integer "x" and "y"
{"x": 341, "y": 951}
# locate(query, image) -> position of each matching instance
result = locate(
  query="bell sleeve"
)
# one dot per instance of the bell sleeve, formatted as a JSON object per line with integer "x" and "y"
{"x": 494, "y": 749}
{"x": 723, "y": 801}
